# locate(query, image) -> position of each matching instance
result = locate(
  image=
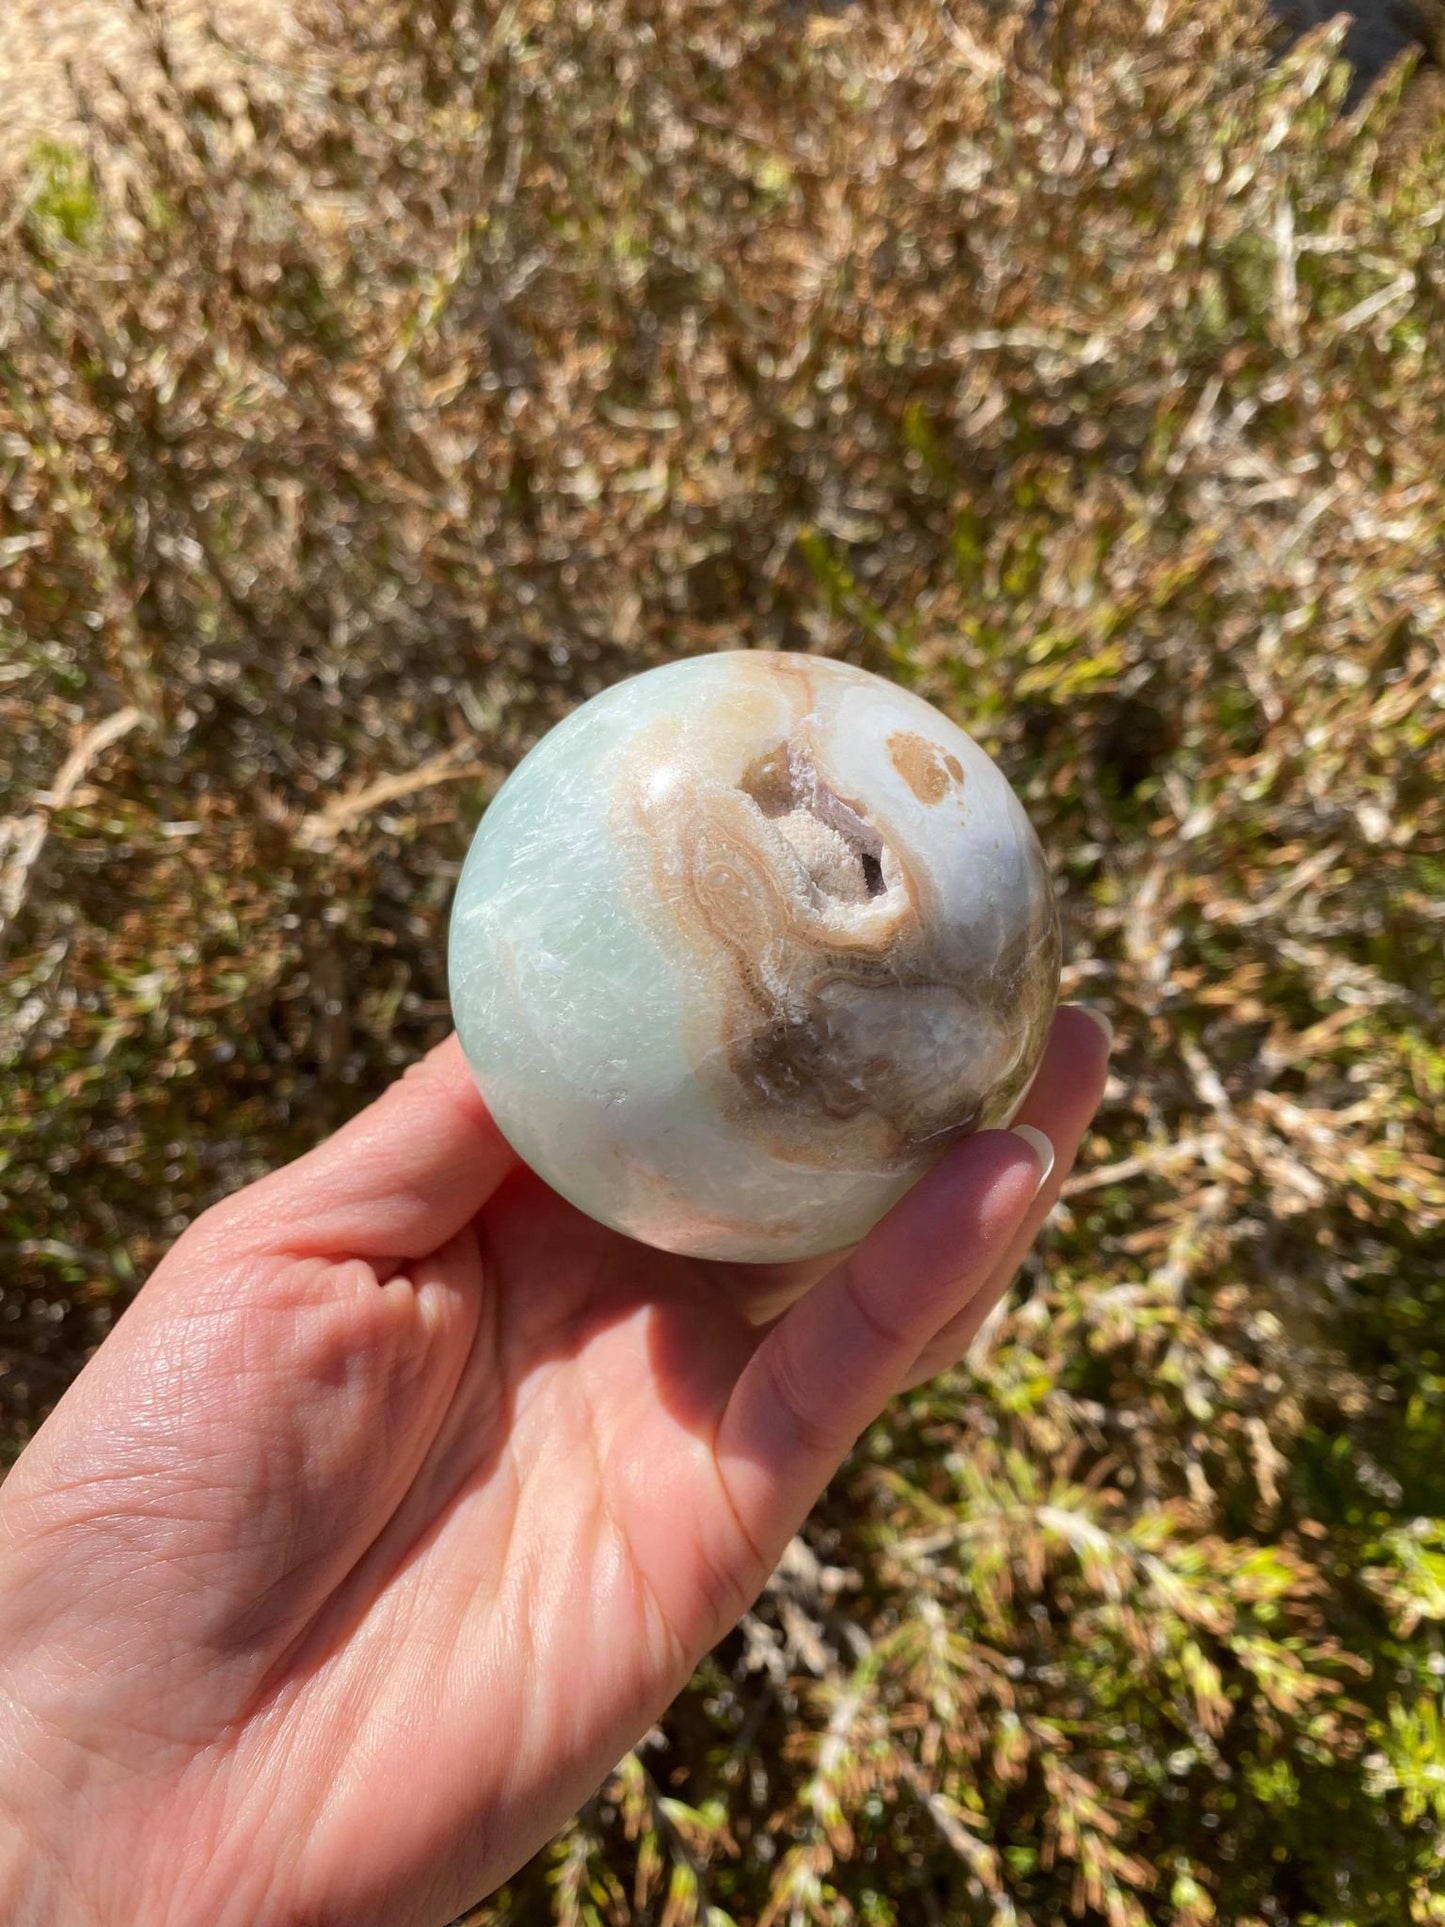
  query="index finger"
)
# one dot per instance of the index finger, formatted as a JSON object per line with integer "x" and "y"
{"x": 400, "y": 1179}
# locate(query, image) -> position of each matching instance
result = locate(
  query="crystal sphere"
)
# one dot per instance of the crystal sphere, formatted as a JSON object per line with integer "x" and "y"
{"x": 743, "y": 945}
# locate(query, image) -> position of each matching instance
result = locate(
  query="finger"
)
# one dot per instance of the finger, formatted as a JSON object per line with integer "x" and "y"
{"x": 397, "y": 1181}
{"x": 826, "y": 1368}
{"x": 761, "y": 1291}
{"x": 1061, "y": 1103}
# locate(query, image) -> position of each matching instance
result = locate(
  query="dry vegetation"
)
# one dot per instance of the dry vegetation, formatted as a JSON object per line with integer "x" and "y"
{"x": 1092, "y": 382}
{"x": 54, "y": 52}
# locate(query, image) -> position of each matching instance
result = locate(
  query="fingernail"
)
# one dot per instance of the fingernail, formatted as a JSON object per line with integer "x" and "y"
{"x": 1041, "y": 1148}
{"x": 1098, "y": 1019}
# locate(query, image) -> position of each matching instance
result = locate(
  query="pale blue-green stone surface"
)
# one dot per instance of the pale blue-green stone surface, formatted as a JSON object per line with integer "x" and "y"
{"x": 736, "y": 954}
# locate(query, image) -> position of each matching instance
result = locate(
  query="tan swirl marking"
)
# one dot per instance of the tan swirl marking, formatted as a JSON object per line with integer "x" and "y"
{"x": 928, "y": 771}
{"x": 828, "y": 1028}
{"x": 795, "y": 1060}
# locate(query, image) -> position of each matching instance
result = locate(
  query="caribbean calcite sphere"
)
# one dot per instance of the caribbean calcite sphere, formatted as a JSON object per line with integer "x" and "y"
{"x": 743, "y": 945}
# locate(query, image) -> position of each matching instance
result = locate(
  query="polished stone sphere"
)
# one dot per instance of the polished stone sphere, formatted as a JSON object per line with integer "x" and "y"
{"x": 743, "y": 945}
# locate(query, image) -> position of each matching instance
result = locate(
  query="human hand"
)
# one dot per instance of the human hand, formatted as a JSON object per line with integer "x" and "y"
{"x": 404, "y": 1498}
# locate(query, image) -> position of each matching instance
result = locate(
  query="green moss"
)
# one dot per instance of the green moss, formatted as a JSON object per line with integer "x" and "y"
{"x": 61, "y": 196}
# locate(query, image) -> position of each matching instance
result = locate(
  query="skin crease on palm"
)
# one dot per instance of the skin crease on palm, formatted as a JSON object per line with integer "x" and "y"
{"x": 404, "y": 1498}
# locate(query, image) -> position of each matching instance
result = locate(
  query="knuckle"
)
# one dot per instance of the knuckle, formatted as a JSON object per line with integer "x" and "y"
{"x": 885, "y": 1331}
{"x": 807, "y": 1418}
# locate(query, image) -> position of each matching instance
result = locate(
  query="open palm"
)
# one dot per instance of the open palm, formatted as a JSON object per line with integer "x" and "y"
{"x": 404, "y": 1498}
